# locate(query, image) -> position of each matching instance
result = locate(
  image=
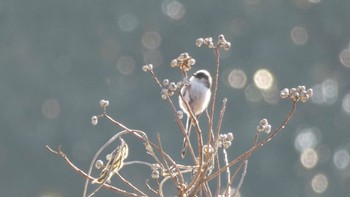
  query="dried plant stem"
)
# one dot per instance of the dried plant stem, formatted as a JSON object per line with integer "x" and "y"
{"x": 145, "y": 139}
{"x": 217, "y": 65}
{"x": 150, "y": 188}
{"x": 248, "y": 153}
{"x": 196, "y": 183}
{"x": 222, "y": 112}
{"x": 210, "y": 126}
{"x": 60, "y": 153}
{"x": 130, "y": 185}
{"x": 162, "y": 184}
{"x": 228, "y": 173}
{"x": 231, "y": 178}
{"x": 218, "y": 183}
{"x": 182, "y": 128}
{"x": 166, "y": 163}
{"x": 242, "y": 178}
{"x": 207, "y": 190}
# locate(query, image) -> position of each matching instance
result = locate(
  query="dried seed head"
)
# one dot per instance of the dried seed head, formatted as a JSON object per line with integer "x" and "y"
{"x": 267, "y": 129}
{"x": 310, "y": 92}
{"x": 165, "y": 82}
{"x": 260, "y": 128}
{"x": 98, "y": 164}
{"x": 104, "y": 103}
{"x": 230, "y": 136}
{"x": 206, "y": 149}
{"x": 155, "y": 174}
{"x": 222, "y": 38}
{"x": 145, "y": 68}
{"x": 264, "y": 122}
{"x": 227, "y": 144}
{"x": 301, "y": 88}
{"x": 108, "y": 157}
{"x": 173, "y": 63}
{"x": 94, "y": 120}
{"x": 180, "y": 114}
{"x": 150, "y": 67}
{"x": 172, "y": 87}
{"x": 155, "y": 166}
{"x": 304, "y": 96}
{"x": 191, "y": 62}
{"x": 284, "y": 93}
{"x": 227, "y": 46}
{"x": 183, "y": 56}
{"x": 295, "y": 96}
{"x": 170, "y": 93}
{"x": 164, "y": 93}
{"x": 199, "y": 42}
{"x": 208, "y": 42}
{"x": 184, "y": 61}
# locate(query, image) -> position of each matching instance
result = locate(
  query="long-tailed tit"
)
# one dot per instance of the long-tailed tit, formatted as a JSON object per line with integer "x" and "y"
{"x": 197, "y": 94}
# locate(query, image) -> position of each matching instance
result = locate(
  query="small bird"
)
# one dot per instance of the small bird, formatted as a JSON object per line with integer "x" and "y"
{"x": 197, "y": 94}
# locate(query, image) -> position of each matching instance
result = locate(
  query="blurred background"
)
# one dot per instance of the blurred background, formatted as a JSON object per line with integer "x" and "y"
{"x": 60, "y": 58}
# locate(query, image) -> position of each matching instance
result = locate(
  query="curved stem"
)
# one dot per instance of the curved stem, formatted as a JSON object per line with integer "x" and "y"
{"x": 248, "y": 153}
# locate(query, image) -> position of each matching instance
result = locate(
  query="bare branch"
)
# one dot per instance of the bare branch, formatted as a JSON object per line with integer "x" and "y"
{"x": 248, "y": 153}
{"x": 60, "y": 153}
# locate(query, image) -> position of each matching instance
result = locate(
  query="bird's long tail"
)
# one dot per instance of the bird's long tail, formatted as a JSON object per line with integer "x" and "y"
{"x": 188, "y": 132}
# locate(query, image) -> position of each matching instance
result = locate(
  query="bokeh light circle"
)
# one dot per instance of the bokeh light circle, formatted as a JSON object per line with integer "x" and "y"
{"x": 309, "y": 158}
{"x": 341, "y": 158}
{"x": 314, "y": 1}
{"x": 307, "y": 138}
{"x": 173, "y": 9}
{"x": 151, "y": 40}
{"x": 344, "y": 57}
{"x": 128, "y": 22}
{"x": 50, "y": 194}
{"x": 126, "y": 65}
{"x": 237, "y": 79}
{"x": 346, "y": 103}
{"x": 325, "y": 93}
{"x": 51, "y": 108}
{"x": 299, "y": 35}
{"x": 319, "y": 183}
{"x": 263, "y": 79}
{"x": 271, "y": 95}
{"x": 330, "y": 91}
{"x": 252, "y": 93}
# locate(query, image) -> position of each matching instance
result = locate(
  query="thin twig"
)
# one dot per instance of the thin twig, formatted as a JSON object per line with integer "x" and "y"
{"x": 242, "y": 178}
{"x": 218, "y": 129}
{"x": 130, "y": 184}
{"x": 217, "y": 65}
{"x": 97, "y": 154}
{"x": 218, "y": 183}
{"x": 207, "y": 189}
{"x": 231, "y": 179}
{"x": 150, "y": 188}
{"x": 60, "y": 153}
{"x": 166, "y": 163}
{"x": 161, "y": 185}
{"x": 145, "y": 139}
{"x": 228, "y": 173}
{"x": 245, "y": 155}
{"x": 182, "y": 128}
